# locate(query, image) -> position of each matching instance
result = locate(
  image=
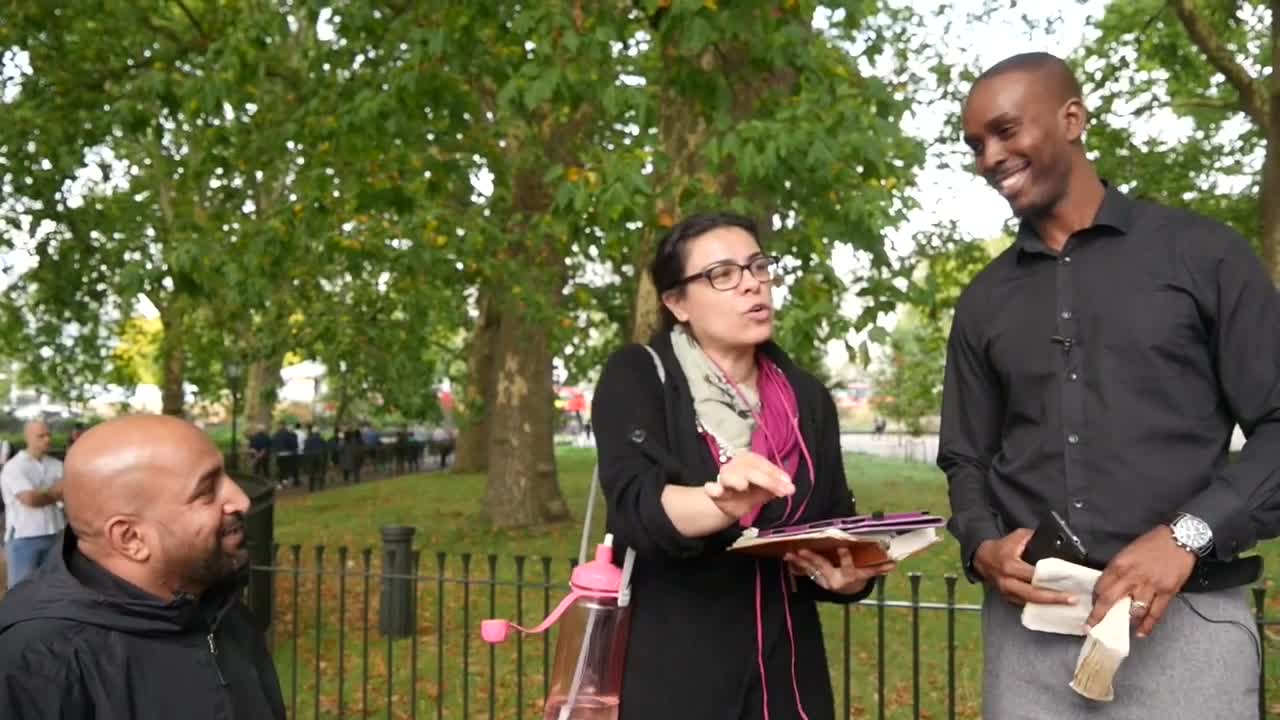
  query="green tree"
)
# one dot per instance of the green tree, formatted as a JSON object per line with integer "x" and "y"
{"x": 759, "y": 110}
{"x": 516, "y": 92}
{"x": 909, "y": 380}
{"x": 1205, "y": 67}
{"x": 909, "y": 387}
{"x": 156, "y": 151}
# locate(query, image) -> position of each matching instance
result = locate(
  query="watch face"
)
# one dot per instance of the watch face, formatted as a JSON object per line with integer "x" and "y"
{"x": 1193, "y": 532}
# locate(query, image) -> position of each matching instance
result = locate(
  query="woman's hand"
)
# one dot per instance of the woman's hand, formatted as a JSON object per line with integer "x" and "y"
{"x": 747, "y": 481}
{"x": 844, "y": 578}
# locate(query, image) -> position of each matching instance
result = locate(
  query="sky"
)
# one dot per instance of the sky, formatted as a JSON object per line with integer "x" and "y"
{"x": 943, "y": 195}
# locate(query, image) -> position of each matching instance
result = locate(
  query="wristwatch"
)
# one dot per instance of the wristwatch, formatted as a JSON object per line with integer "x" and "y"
{"x": 1192, "y": 534}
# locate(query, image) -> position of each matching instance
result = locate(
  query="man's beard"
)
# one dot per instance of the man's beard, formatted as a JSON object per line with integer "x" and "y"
{"x": 214, "y": 565}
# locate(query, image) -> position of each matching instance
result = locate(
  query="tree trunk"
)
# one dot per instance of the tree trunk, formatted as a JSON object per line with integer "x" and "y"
{"x": 260, "y": 392}
{"x": 173, "y": 361}
{"x": 646, "y": 316}
{"x": 172, "y": 397}
{"x": 1271, "y": 162}
{"x": 475, "y": 403}
{"x": 1270, "y": 208}
{"x": 340, "y": 412}
{"x": 523, "y": 488}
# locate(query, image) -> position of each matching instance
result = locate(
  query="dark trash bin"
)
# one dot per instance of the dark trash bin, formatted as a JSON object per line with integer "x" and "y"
{"x": 259, "y": 532}
{"x": 398, "y": 604}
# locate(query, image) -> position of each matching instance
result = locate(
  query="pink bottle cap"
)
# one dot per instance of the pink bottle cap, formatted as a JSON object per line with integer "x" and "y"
{"x": 599, "y": 575}
{"x": 494, "y": 631}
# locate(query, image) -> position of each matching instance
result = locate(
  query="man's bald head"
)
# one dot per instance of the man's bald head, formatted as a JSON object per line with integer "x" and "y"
{"x": 120, "y": 466}
{"x": 149, "y": 500}
{"x": 36, "y": 436}
{"x": 1024, "y": 120}
{"x": 1051, "y": 70}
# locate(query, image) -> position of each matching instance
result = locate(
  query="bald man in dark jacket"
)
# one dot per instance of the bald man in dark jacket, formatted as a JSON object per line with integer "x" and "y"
{"x": 137, "y": 613}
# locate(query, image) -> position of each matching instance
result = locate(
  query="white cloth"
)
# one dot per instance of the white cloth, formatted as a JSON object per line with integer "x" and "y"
{"x": 21, "y": 474}
{"x": 1063, "y": 576}
{"x": 1078, "y": 580}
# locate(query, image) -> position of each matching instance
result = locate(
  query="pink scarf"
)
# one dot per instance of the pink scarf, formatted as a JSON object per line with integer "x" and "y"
{"x": 777, "y": 434}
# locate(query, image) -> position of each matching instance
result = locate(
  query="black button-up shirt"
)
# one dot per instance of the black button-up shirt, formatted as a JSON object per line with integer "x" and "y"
{"x": 1104, "y": 382}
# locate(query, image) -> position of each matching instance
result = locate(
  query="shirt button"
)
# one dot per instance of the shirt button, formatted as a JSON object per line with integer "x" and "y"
{"x": 1066, "y": 314}
{"x": 1067, "y": 259}
{"x": 1072, "y": 376}
{"x": 1073, "y": 438}
{"x": 637, "y": 436}
{"x": 1077, "y": 503}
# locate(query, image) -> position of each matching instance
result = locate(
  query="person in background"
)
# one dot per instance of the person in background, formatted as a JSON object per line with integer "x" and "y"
{"x": 314, "y": 455}
{"x": 442, "y": 444}
{"x": 137, "y": 613}
{"x": 736, "y": 437}
{"x": 284, "y": 444}
{"x": 260, "y": 452}
{"x": 30, "y": 485}
{"x": 351, "y": 456}
{"x": 1097, "y": 368}
{"x": 402, "y": 449}
{"x": 5, "y": 450}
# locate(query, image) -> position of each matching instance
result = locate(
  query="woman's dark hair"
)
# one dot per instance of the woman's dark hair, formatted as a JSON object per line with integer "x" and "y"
{"x": 667, "y": 268}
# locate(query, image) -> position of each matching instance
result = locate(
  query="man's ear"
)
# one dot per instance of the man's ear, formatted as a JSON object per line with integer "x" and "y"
{"x": 125, "y": 537}
{"x": 1075, "y": 118}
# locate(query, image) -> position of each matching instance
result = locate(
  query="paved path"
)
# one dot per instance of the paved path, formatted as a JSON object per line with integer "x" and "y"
{"x": 925, "y": 448}
{"x": 903, "y": 447}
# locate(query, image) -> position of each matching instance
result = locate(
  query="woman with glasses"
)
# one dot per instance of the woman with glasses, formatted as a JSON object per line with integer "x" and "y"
{"x": 731, "y": 435}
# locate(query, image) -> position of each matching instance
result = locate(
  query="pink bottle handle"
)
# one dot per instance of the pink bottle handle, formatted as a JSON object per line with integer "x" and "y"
{"x": 495, "y": 631}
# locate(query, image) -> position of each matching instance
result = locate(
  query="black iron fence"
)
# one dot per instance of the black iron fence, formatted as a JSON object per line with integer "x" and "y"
{"x": 333, "y": 465}
{"x": 352, "y": 640}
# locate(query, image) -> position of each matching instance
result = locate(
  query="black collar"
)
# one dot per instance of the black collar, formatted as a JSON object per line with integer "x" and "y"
{"x": 1114, "y": 216}
{"x": 183, "y": 610}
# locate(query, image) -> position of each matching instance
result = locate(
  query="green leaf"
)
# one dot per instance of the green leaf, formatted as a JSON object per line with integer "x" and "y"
{"x": 541, "y": 89}
{"x": 696, "y": 35}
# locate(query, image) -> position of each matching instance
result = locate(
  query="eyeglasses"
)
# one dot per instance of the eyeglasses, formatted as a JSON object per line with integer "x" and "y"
{"x": 728, "y": 275}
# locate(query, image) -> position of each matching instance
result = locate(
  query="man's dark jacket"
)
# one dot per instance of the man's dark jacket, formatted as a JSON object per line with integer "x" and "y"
{"x": 78, "y": 642}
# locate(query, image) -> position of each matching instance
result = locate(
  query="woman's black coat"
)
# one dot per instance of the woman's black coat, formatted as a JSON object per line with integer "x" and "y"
{"x": 692, "y": 652}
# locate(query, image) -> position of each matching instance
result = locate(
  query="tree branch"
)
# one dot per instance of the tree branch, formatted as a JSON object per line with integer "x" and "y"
{"x": 1203, "y": 104}
{"x": 1253, "y": 95}
{"x": 164, "y": 30}
{"x": 191, "y": 16}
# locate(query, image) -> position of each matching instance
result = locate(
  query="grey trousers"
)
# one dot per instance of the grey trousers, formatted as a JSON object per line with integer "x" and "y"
{"x": 1187, "y": 669}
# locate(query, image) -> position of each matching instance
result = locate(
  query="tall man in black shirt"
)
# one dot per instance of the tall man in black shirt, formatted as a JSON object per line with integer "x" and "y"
{"x": 1097, "y": 368}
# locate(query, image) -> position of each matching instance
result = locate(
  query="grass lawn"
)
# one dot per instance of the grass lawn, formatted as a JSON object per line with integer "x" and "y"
{"x": 469, "y": 571}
